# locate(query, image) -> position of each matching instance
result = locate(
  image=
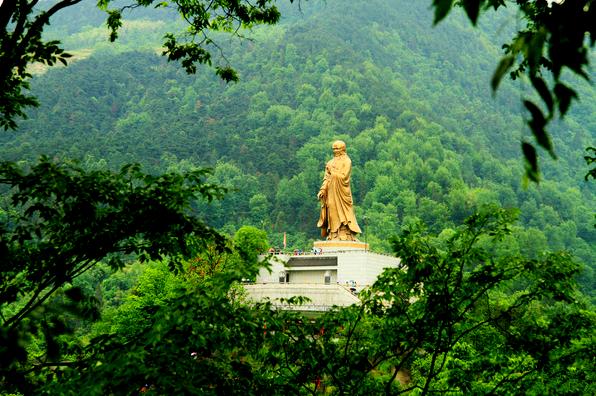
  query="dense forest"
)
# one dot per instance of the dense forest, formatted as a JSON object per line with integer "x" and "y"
{"x": 427, "y": 139}
{"x": 429, "y": 143}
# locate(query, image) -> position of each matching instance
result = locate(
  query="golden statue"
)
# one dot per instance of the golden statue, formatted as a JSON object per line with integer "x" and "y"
{"x": 337, "y": 220}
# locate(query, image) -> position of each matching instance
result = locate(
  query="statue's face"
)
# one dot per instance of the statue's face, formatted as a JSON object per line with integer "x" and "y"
{"x": 338, "y": 148}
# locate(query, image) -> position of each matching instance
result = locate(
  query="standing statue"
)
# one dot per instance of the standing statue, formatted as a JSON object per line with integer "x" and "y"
{"x": 337, "y": 220}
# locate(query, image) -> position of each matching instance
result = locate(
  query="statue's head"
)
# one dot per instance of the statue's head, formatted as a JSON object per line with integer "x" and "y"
{"x": 339, "y": 147}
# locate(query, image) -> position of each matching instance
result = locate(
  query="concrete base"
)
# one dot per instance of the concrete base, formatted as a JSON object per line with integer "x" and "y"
{"x": 343, "y": 263}
{"x": 340, "y": 246}
{"x": 321, "y": 297}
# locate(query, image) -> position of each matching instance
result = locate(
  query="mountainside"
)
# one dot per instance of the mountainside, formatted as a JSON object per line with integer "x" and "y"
{"x": 427, "y": 139}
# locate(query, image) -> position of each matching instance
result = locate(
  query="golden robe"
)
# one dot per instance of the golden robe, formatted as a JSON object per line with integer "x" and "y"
{"x": 336, "y": 205}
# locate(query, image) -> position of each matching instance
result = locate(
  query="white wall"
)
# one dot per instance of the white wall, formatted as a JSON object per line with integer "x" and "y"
{"x": 312, "y": 276}
{"x": 277, "y": 266}
{"x": 361, "y": 267}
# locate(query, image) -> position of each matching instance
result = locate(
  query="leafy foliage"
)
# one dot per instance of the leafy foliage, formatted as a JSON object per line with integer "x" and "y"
{"x": 456, "y": 317}
{"x": 558, "y": 35}
{"x": 21, "y": 44}
{"x": 479, "y": 309}
{"x": 590, "y": 159}
{"x": 459, "y": 318}
{"x": 195, "y": 324}
{"x": 424, "y": 147}
{"x": 64, "y": 220}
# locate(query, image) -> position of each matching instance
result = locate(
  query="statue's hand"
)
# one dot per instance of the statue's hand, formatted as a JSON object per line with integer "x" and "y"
{"x": 321, "y": 195}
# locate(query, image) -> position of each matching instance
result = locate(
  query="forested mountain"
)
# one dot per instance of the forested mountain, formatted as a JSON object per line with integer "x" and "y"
{"x": 427, "y": 139}
{"x": 123, "y": 278}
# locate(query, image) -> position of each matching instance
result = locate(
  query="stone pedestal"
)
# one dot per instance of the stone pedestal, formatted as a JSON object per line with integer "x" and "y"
{"x": 340, "y": 246}
{"x": 338, "y": 267}
{"x": 342, "y": 267}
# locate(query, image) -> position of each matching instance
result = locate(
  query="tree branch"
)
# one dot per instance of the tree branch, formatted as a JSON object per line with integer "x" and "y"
{"x": 41, "y": 20}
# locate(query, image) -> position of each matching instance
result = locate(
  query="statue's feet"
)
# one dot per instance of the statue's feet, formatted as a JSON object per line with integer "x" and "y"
{"x": 345, "y": 234}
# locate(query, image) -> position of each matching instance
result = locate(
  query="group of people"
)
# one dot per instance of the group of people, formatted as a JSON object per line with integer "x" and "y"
{"x": 295, "y": 252}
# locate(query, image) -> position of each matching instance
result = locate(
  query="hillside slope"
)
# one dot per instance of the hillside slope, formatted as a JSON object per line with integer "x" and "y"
{"x": 427, "y": 139}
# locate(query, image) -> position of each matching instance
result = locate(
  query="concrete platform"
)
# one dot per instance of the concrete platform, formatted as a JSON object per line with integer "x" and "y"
{"x": 354, "y": 269}
{"x": 340, "y": 246}
{"x": 332, "y": 277}
{"x": 322, "y": 297}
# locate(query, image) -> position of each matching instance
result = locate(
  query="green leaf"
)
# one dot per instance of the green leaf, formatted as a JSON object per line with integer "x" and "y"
{"x": 103, "y": 4}
{"x": 503, "y": 67}
{"x": 564, "y": 95}
{"x": 74, "y": 293}
{"x": 472, "y": 8}
{"x": 537, "y": 116}
{"x": 534, "y": 44}
{"x": 531, "y": 162}
{"x": 496, "y": 4}
{"x": 537, "y": 124}
{"x": 544, "y": 92}
{"x": 226, "y": 73}
{"x": 442, "y": 8}
{"x": 114, "y": 22}
{"x": 590, "y": 160}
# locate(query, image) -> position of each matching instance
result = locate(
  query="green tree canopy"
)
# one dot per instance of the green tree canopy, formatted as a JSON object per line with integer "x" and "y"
{"x": 22, "y": 23}
{"x": 558, "y": 35}
{"x": 63, "y": 220}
